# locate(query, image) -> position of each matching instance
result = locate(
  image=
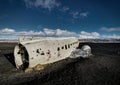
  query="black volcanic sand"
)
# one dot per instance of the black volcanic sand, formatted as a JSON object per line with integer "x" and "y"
{"x": 103, "y": 68}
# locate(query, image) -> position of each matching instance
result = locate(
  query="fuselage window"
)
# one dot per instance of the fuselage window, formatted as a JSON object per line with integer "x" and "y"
{"x": 42, "y": 53}
{"x": 62, "y": 47}
{"x": 68, "y": 46}
{"x": 37, "y": 51}
{"x": 48, "y": 52}
{"x": 65, "y": 46}
{"x": 58, "y": 49}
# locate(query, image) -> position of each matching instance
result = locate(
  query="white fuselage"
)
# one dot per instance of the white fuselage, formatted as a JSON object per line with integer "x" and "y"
{"x": 43, "y": 51}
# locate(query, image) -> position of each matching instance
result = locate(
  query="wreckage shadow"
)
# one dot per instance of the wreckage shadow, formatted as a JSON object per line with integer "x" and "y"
{"x": 10, "y": 58}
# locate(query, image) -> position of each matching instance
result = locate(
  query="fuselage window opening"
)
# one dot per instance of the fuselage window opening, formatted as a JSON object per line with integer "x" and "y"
{"x": 37, "y": 51}
{"x": 65, "y": 46}
{"x": 68, "y": 46}
{"x": 42, "y": 53}
{"x": 58, "y": 49}
{"x": 62, "y": 47}
{"x": 48, "y": 52}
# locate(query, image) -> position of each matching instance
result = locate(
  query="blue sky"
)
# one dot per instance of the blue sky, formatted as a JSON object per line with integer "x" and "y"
{"x": 79, "y": 18}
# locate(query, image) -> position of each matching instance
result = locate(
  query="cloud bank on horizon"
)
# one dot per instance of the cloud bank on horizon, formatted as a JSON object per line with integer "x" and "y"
{"x": 8, "y": 33}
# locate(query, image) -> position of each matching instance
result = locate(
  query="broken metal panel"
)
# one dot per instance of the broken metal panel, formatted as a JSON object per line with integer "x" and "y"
{"x": 84, "y": 52}
{"x": 18, "y": 59}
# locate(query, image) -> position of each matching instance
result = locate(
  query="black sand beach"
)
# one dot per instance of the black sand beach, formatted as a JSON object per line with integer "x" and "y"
{"x": 103, "y": 68}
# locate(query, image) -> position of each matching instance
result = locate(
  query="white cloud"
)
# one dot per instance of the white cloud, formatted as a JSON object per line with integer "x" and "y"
{"x": 66, "y": 33}
{"x": 96, "y": 35}
{"x": 7, "y": 31}
{"x": 88, "y": 35}
{"x": 49, "y": 32}
{"x": 12, "y": 34}
{"x": 64, "y": 9}
{"x": 77, "y": 14}
{"x": 45, "y": 33}
{"x": 51, "y": 4}
{"x": 114, "y": 36}
{"x": 59, "y": 33}
{"x": 110, "y": 29}
{"x": 47, "y": 4}
{"x": 29, "y": 33}
{"x": 84, "y": 14}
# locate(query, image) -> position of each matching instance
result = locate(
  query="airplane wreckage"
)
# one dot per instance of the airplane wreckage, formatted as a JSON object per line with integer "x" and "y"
{"x": 32, "y": 53}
